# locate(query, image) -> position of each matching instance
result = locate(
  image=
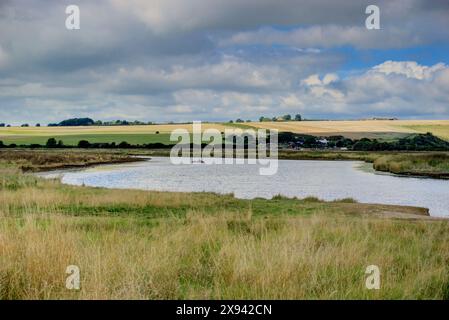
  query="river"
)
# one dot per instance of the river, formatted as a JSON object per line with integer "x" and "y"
{"x": 327, "y": 180}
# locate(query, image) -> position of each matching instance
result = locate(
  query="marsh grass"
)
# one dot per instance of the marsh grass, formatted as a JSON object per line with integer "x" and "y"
{"x": 415, "y": 164}
{"x": 222, "y": 256}
{"x": 154, "y": 245}
{"x": 54, "y": 159}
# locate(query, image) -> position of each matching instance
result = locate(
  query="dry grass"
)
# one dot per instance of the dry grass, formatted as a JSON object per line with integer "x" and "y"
{"x": 222, "y": 257}
{"x": 46, "y": 160}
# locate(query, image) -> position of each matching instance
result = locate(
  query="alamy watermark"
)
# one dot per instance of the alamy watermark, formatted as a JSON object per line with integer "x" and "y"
{"x": 372, "y": 22}
{"x": 372, "y": 282}
{"x": 73, "y": 281}
{"x": 73, "y": 20}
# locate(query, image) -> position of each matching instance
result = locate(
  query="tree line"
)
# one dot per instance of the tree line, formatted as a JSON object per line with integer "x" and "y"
{"x": 289, "y": 140}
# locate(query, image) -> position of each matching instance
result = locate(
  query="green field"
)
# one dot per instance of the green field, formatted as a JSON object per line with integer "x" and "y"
{"x": 72, "y": 140}
{"x": 94, "y": 134}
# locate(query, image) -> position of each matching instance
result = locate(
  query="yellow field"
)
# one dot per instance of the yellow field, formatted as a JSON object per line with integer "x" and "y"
{"x": 354, "y": 128}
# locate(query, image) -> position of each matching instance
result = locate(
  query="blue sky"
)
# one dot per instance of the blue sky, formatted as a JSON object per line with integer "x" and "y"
{"x": 216, "y": 60}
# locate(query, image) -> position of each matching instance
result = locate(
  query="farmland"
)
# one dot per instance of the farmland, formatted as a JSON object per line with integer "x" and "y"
{"x": 72, "y": 135}
{"x": 380, "y": 129}
{"x": 362, "y": 128}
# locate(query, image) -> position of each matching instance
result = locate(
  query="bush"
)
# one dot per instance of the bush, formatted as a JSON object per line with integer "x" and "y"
{"x": 124, "y": 144}
{"x": 51, "y": 143}
{"x": 77, "y": 122}
{"x": 84, "y": 144}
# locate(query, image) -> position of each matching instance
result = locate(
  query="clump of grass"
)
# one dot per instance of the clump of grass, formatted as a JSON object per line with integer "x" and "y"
{"x": 415, "y": 164}
{"x": 43, "y": 160}
{"x": 311, "y": 200}
{"x": 346, "y": 200}
{"x": 282, "y": 197}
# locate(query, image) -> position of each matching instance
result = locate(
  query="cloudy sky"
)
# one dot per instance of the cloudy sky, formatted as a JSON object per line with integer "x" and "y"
{"x": 179, "y": 60}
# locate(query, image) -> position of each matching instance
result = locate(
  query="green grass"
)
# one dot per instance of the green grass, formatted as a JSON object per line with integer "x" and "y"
{"x": 72, "y": 140}
{"x": 418, "y": 164}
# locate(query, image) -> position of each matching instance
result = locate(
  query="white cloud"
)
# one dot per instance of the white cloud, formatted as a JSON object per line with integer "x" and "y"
{"x": 410, "y": 69}
{"x": 393, "y": 87}
{"x": 314, "y": 79}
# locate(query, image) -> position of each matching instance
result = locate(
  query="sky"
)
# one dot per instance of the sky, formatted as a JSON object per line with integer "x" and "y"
{"x": 216, "y": 60}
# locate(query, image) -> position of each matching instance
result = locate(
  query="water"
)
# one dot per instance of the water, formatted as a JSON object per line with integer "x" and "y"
{"x": 327, "y": 180}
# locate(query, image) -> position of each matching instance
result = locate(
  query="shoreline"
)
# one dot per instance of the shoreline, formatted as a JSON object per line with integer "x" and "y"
{"x": 367, "y": 157}
{"x": 80, "y": 166}
{"x": 392, "y": 165}
{"x": 411, "y": 212}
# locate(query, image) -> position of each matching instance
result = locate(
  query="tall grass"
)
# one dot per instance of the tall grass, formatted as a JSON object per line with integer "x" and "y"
{"x": 222, "y": 256}
{"x": 414, "y": 164}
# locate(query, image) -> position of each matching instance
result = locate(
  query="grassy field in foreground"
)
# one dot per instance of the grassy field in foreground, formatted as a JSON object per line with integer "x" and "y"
{"x": 378, "y": 129}
{"x": 155, "y": 245}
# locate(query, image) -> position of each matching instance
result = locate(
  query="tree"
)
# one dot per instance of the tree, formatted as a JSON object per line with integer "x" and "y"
{"x": 298, "y": 117}
{"x": 287, "y": 117}
{"x": 2, "y": 125}
{"x": 76, "y": 122}
{"x": 38, "y": 124}
{"x": 239, "y": 120}
{"x": 51, "y": 143}
{"x": 83, "y": 144}
{"x": 124, "y": 145}
{"x": 25, "y": 125}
